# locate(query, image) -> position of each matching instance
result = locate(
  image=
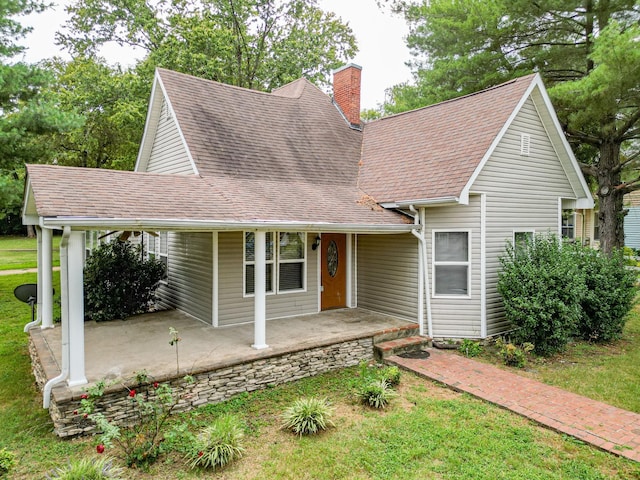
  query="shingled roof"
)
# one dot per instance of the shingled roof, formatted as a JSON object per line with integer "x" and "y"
{"x": 432, "y": 152}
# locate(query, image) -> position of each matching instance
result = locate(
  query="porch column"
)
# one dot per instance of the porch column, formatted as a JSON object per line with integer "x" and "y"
{"x": 39, "y": 281}
{"x": 45, "y": 278}
{"x": 260, "y": 296}
{"x": 75, "y": 291}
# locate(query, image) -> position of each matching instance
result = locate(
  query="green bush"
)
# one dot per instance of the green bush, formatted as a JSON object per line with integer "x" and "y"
{"x": 542, "y": 288}
{"x": 118, "y": 282}
{"x": 513, "y": 355}
{"x": 376, "y": 394}
{"x": 307, "y": 416}
{"x": 7, "y": 461}
{"x": 610, "y": 290}
{"x": 218, "y": 444}
{"x": 88, "y": 469}
{"x": 391, "y": 375}
{"x": 469, "y": 348}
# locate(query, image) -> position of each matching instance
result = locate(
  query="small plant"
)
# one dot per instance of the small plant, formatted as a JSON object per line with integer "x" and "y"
{"x": 307, "y": 416}
{"x": 376, "y": 394}
{"x": 469, "y": 348}
{"x": 513, "y": 355}
{"x": 175, "y": 339}
{"x": 88, "y": 469}
{"x": 7, "y": 461}
{"x": 218, "y": 444}
{"x": 391, "y": 375}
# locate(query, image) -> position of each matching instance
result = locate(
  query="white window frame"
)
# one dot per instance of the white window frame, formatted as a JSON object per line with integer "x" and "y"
{"x": 573, "y": 225}
{"x": 435, "y": 263}
{"x": 157, "y": 252}
{"x": 522, "y": 230}
{"x": 274, "y": 288}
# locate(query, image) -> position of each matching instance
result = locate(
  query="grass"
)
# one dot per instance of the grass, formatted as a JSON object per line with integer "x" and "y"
{"x": 427, "y": 432}
{"x": 21, "y": 252}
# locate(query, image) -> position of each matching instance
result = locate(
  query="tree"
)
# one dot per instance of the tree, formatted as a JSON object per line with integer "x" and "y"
{"x": 587, "y": 52}
{"x": 260, "y": 44}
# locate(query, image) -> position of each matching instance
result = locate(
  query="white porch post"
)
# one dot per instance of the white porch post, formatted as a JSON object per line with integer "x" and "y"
{"x": 75, "y": 263}
{"x": 260, "y": 296}
{"x": 39, "y": 281}
{"x": 45, "y": 278}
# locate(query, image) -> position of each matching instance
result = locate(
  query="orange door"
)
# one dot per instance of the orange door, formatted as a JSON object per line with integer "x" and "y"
{"x": 333, "y": 271}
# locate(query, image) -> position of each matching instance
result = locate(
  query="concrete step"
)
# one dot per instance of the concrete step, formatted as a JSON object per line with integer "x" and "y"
{"x": 397, "y": 346}
{"x": 409, "y": 330}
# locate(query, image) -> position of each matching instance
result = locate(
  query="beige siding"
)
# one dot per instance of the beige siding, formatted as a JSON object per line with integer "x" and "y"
{"x": 456, "y": 317}
{"x": 168, "y": 154}
{"x": 190, "y": 283}
{"x": 387, "y": 274}
{"x": 235, "y": 308}
{"x": 522, "y": 193}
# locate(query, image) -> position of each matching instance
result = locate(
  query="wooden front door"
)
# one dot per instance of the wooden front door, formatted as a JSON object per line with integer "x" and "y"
{"x": 333, "y": 271}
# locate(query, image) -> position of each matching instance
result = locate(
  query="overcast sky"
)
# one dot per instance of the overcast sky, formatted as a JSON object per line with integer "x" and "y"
{"x": 380, "y": 38}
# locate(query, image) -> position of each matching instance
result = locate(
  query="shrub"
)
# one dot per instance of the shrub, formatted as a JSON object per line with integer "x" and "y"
{"x": 513, "y": 355}
{"x": 542, "y": 289}
{"x": 376, "y": 394}
{"x": 610, "y": 290}
{"x": 218, "y": 444}
{"x": 307, "y": 416}
{"x": 391, "y": 375}
{"x": 118, "y": 282}
{"x": 469, "y": 348}
{"x": 88, "y": 469}
{"x": 7, "y": 461}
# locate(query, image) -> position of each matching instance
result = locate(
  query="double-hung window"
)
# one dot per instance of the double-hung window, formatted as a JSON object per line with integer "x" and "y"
{"x": 451, "y": 263}
{"x": 157, "y": 246}
{"x": 285, "y": 262}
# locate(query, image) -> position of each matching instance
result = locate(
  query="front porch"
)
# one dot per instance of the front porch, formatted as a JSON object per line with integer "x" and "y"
{"x": 220, "y": 359}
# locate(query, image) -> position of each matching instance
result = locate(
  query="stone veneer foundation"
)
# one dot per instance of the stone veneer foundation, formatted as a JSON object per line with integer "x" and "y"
{"x": 210, "y": 386}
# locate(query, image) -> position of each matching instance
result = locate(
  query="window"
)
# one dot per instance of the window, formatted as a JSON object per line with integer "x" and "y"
{"x": 285, "y": 259}
{"x": 521, "y": 240}
{"x": 568, "y": 224}
{"x": 157, "y": 246}
{"x": 596, "y": 226}
{"x": 451, "y": 263}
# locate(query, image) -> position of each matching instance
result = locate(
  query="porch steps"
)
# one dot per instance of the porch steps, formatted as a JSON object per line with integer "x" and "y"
{"x": 397, "y": 346}
{"x": 410, "y": 330}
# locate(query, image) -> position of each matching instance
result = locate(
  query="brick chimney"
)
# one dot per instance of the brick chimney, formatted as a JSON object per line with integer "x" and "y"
{"x": 346, "y": 92}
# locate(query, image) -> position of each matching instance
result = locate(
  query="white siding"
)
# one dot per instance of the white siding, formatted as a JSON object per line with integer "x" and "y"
{"x": 168, "y": 154}
{"x": 190, "y": 279}
{"x": 235, "y": 308}
{"x": 522, "y": 193}
{"x": 456, "y": 317}
{"x": 387, "y": 274}
{"x": 632, "y": 227}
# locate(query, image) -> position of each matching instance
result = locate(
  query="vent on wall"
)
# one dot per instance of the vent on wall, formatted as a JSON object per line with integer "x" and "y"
{"x": 525, "y": 143}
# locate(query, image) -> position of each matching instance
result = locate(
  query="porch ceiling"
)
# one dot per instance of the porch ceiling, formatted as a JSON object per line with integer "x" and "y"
{"x": 117, "y": 349}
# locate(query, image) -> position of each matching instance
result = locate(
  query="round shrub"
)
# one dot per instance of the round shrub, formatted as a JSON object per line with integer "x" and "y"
{"x": 376, "y": 394}
{"x": 118, "y": 282}
{"x": 88, "y": 469}
{"x": 218, "y": 444}
{"x": 610, "y": 290}
{"x": 542, "y": 288}
{"x": 307, "y": 416}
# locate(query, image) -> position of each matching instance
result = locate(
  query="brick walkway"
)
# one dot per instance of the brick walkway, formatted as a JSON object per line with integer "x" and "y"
{"x": 608, "y": 428}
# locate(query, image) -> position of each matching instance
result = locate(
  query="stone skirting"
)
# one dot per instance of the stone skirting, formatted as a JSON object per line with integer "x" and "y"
{"x": 215, "y": 385}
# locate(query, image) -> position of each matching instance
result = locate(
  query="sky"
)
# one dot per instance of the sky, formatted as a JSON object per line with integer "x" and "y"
{"x": 382, "y": 51}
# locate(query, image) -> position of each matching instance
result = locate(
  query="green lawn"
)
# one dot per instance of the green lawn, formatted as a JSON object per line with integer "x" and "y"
{"x": 428, "y": 431}
{"x": 21, "y": 252}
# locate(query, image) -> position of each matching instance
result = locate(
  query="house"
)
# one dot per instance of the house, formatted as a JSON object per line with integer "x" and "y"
{"x": 632, "y": 220}
{"x": 282, "y": 204}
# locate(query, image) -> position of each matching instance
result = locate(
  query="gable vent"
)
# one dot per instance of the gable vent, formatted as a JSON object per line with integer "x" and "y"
{"x": 525, "y": 144}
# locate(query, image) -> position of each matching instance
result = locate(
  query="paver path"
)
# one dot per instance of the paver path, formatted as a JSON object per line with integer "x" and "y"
{"x": 23, "y": 270}
{"x": 608, "y": 428}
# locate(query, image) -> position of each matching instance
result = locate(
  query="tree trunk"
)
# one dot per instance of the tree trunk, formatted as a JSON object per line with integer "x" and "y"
{"x": 610, "y": 197}
{"x": 31, "y": 232}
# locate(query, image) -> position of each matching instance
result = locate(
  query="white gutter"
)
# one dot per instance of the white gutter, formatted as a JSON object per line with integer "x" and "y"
{"x": 424, "y": 202}
{"x": 200, "y": 225}
{"x": 423, "y": 271}
{"x": 64, "y": 374}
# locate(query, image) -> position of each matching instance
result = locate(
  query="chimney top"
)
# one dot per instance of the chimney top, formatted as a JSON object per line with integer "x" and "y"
{"x": 346, "y": 92}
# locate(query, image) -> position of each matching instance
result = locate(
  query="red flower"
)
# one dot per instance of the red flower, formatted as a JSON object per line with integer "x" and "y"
{"x": 200, "y": 454}
{"x": 75, "y": 412}
{"x": 100, "y": 448}
{"x": 85, "y": 415}
{"x": 84, "y": 396}
{"x": 132, "y": 393}
{"x": 156, "y": 384}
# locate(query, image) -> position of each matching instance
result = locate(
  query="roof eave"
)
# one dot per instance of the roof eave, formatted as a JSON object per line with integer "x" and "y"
{"x": 426, "y": 202}
{"x": 93, "y": 223}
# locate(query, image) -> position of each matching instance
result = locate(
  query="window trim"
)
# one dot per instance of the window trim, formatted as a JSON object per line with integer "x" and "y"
{"x": 276, "y": 262}
{"x": 522, "y": 230}
{"x": 157, "y": 253}
{"x": 571, "y": 215}
{"x": 467, "y": 263}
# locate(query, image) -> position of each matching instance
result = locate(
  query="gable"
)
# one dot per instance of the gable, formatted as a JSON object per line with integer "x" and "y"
{"x": 168, "y": 152}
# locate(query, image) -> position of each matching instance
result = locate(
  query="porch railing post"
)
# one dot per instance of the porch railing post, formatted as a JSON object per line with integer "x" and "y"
{"x": 260, "y": 296}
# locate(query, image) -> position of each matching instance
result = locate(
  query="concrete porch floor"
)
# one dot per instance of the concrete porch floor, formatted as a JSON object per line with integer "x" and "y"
{"x": 118, "y": 349}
